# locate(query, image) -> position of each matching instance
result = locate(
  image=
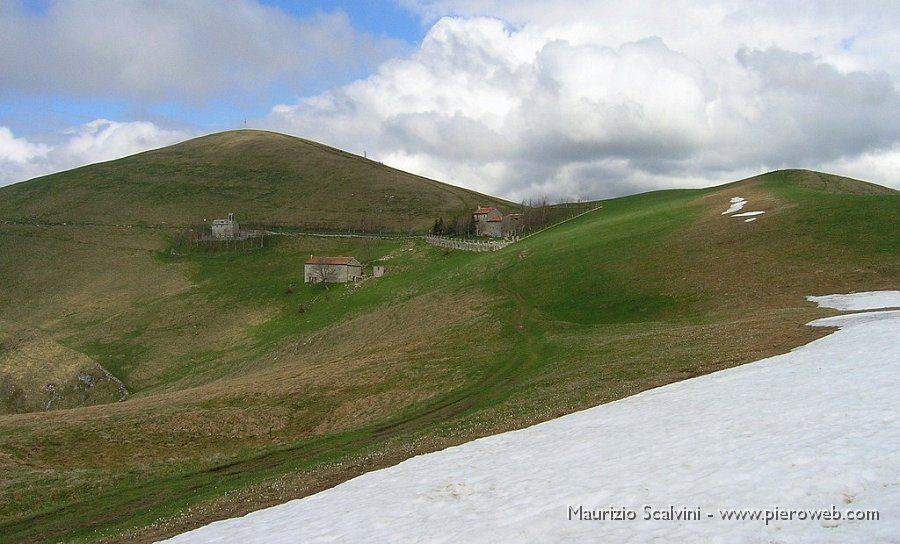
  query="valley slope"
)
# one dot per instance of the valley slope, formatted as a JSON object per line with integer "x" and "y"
{"x": 248, "y": 387}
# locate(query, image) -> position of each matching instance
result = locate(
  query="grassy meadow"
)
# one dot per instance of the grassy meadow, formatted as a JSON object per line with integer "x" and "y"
{"x": 248, "y": 387}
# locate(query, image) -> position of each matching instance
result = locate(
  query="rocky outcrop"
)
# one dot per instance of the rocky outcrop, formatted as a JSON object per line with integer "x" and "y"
{"x": 40, "y": 374}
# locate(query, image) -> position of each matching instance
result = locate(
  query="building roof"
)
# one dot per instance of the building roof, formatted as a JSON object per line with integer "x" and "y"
{"x": 341, "y": 261}
{"x": 483, "y": 210}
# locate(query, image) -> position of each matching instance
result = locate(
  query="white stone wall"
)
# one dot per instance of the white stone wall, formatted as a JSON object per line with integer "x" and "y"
{"x": 467, "y": 246}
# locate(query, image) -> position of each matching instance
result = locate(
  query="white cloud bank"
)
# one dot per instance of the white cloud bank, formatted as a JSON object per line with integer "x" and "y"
{"x": 585, "y": 98}
{"x": 176, "y": 51}
{"x": 99, "y": 140}
{"x": 598, "y": 99}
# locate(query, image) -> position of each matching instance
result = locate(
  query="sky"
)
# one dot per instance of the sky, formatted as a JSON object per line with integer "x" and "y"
{"x": 578, "y": 99}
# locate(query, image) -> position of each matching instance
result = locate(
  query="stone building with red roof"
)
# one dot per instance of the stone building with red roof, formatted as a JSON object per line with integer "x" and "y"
{"x": 331, "y": 269}
{"x": 491, "y": 222}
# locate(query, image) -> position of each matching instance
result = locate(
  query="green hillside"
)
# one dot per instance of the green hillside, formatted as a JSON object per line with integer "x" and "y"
{"x": 248, "y": 387}
{"x": 265, "y": 178}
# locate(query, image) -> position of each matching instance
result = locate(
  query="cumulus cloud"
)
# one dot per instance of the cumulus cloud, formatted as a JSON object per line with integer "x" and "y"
{"x": 173, "y": 50}
{"x": 19, "y": 150}
{"x": 598, "y": 99}
{"x": 811, "y": 112}
{"x": 882, "y": 165}
{"x": 18, "y": 156}
{"x": 577, "y": 98}
{"x": 99, "y": 140}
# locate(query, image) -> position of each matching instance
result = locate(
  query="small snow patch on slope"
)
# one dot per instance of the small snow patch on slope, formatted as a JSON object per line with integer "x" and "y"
{"x": 737, "y": 203}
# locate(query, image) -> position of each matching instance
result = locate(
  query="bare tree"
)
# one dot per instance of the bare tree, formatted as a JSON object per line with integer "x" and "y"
{"x": 324, "y": 273}
{"x": 370, "y": 223}
{"x": 535, "y": 214}
{"x": 465, "y": 225}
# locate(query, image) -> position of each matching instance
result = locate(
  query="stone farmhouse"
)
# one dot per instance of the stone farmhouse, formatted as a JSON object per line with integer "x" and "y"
{"x": 491, "y": 222}
{"x": 331, "y": 269}
{"x": 226, "y": 229}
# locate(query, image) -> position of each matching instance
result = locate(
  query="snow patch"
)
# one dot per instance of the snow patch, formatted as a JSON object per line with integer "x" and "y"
{"x": 859, "y": 301}
{"x": 737, "y": 203}
{"x": 816, "y": 428}
{"x": 848, "y": 320}
{"x": 747, "y": 214}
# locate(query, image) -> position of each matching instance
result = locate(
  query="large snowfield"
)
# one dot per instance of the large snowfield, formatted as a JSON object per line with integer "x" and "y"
{"x": 802, "y": 439}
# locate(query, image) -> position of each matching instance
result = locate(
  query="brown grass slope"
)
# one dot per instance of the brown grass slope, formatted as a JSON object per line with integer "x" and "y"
{"x": 239, "y": 401}
{"x": 265, "y": 178}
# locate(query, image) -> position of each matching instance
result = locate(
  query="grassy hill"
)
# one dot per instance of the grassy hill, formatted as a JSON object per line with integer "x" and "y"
{"x": 239, "y": 400}
{"x": 265, "y": 178}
